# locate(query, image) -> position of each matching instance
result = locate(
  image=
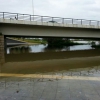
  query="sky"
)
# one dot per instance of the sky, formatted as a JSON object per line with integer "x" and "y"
{"x": 79, "y": 9}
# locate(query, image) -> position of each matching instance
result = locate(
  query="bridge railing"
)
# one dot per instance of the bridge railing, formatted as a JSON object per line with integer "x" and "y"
{"x": 37, "y": 18}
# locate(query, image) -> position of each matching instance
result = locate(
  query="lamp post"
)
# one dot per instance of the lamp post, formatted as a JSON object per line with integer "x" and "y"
{"x": 33, "y": 7}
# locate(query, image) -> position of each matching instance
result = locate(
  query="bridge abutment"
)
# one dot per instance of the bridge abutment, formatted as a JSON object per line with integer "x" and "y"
{"x": 2, "y": 57}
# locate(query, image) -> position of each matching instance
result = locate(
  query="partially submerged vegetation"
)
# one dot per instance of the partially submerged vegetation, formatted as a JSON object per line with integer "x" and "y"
{"x": 61, "y": 42}
{"x": 34, "y": 40}
{"x": 52, "y": 42}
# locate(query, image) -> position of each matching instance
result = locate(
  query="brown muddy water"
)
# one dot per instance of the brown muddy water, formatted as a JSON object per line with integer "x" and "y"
{"x": 20, "y": 61}
{"x": 51, "y": 75}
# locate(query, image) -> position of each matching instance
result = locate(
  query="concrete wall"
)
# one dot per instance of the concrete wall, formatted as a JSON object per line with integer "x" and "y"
{"x": 48, "y": 31}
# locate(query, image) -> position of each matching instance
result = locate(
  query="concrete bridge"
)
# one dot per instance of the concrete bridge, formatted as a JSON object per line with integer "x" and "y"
{"x": 14, "y": 24}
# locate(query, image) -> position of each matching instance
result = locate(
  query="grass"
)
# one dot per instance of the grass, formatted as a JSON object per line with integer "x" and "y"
{"x": 38, "y": 41}
{"x": 51, "y": 43}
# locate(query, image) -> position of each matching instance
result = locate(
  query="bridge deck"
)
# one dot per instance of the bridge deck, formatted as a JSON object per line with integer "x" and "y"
{"x": 47, "y": 24}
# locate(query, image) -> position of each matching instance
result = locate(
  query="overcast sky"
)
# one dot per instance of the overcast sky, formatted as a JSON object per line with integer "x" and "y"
{"x": 80, "y": 9}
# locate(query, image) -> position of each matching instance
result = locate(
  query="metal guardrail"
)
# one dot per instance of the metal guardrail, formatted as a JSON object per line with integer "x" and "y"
{"x": 27, "y": 17}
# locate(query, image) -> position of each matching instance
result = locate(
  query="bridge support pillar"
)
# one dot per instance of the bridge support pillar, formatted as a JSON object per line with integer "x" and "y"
{"x": 99, "y": 42}
{"x": 2, "y": 57}
{"x": 5, "y": 44}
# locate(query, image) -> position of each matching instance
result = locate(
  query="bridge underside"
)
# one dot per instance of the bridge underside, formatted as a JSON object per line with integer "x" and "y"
{"x": 48, "y": 31}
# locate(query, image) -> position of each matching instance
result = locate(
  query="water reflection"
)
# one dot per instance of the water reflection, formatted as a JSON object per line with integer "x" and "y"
{"x": 20, "y": 49}
{"x": 44, "y": 48}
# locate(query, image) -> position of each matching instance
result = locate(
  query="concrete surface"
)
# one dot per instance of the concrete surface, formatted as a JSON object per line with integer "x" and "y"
{"x": 76, "y": 84}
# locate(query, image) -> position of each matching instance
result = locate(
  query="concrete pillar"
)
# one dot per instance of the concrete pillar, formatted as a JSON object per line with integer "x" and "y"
{"x": 2, "y": 57}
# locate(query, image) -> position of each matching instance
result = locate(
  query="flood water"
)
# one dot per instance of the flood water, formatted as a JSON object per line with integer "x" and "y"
{"x": 43, "y": 48}
{"x": 36, "y": 72}
{"x": 40, "y": 58}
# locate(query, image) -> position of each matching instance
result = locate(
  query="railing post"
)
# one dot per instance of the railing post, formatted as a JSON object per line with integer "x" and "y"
{"x": 3, "y": 15}
{"x": 52, "y": 19}
{"x": 33, "y": 17}
{"x": 17, "y": 16}
{"x": 90, "y": 22}
{"x": 62, "y": 20}
{"x": 72, "y": 21}
{"x": 97, "y": 23}
{"x": 23, "y": 16}
{"x": 30, "y": 17}
{"x": 81, "y": 21}
{"x": 41, "y": 18}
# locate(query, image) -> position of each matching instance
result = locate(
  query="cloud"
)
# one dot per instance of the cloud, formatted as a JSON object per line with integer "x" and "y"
{"x": 80, "y": 9}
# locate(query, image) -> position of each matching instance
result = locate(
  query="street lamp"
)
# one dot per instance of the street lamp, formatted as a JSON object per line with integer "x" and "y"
{"x": 33, "y": 7}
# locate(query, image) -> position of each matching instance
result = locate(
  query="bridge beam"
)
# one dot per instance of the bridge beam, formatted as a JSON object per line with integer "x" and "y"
{"x": 48, "y": 31}
{"x": 2, "y": 57}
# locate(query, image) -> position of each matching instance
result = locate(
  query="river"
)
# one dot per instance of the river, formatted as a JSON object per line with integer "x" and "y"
{"x": 44, "y": 48}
